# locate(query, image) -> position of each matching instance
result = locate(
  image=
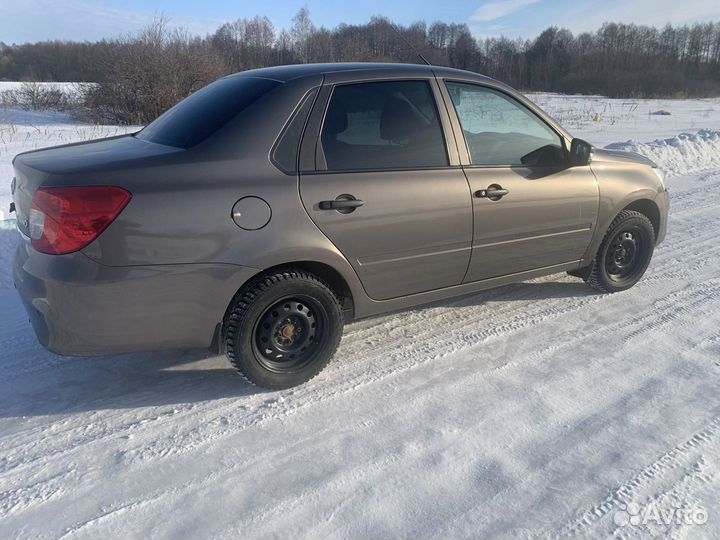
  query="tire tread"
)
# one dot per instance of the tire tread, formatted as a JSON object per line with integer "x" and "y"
{"x": 593, "y": 279}
{"x": 247, "y": 296}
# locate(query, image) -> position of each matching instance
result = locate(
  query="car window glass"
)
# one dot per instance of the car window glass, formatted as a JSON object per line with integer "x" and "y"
{"x": 286, "y": 150}
{"x": 501, "y": 131}
{"x": 201, "y": 114}
{"x": 380, "y": 125}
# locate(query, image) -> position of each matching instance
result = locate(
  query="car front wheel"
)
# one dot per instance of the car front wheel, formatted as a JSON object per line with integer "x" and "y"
{"x": 624, "y": 254}
{"x": 283, "y": 329}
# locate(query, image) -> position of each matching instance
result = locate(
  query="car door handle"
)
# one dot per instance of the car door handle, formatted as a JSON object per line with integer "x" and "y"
{"x": 341, "y": 204}
{"x": 494, "y": 193}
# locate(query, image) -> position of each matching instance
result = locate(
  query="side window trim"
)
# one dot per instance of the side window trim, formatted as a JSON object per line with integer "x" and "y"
{"x": 458, "y": 135}
{"x": 320, "y": 161}
{"x": 311, "y": 95}
{"x": 319, "y": 113}
{"x": 308, "y": 144}
{"x": 465, "y": 158}
{"x": 451, "y": 143}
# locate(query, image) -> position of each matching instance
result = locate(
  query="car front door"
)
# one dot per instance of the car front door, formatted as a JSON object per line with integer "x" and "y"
{"x": 531, "y": 210}
{"x": 387, "y": 187}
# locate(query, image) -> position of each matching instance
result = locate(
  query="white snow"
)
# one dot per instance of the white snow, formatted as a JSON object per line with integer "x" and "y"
{"x": 537, "y": 410}
{"x": 684, "y": 153}
{"x": 67, "y": 87}
{"x": 72, "y": 90}
{"x": 603, "y": 121}
{"x": 22, "y": 130}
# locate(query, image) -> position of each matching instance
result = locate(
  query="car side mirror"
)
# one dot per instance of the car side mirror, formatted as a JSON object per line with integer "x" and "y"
{"x": 581, "y": 153}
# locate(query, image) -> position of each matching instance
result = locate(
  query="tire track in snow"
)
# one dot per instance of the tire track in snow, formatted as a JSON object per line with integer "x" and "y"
{"x": 642, "y": 484}
{"x": 277, "y": 410}
{"x": 222, "y": 423}
{"x": 662, "y": 312}
{"x": 664, "y": 306}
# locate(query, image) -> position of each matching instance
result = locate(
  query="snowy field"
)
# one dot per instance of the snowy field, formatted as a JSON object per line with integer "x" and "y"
{"x": 537, "y": 410}
{"x": 71, "y": 89}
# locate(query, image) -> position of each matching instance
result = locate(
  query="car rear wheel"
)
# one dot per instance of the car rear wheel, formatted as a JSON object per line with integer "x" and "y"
{"x": 283, "y": 329}
{"x": 624, "y": 254}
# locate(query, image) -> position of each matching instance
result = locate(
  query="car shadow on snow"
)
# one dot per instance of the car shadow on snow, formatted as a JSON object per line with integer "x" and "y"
{"x": 522, "y": 291}
{"x": 34, "y": 382}
{"x": 47, "y": 384}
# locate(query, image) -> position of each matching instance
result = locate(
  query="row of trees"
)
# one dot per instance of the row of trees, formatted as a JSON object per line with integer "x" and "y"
{"x": 142, "y": 75}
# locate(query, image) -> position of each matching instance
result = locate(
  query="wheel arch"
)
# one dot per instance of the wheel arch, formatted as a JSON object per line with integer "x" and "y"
{"x": 331, "y": 275}
{"x": 641, "y": 200}
{"x": 328, "y": 274}
{"x": 647, "y": 207}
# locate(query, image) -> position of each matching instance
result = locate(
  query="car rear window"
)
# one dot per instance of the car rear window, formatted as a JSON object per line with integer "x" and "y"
{"x": 201, "y": 114}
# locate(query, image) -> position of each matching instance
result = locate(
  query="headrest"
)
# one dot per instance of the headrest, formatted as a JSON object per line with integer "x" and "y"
{"x": 336, "y": 120}
{"x": 398, "y": 120}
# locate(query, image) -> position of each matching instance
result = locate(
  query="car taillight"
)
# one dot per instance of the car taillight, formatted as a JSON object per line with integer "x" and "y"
{"x": 66, "y": 219}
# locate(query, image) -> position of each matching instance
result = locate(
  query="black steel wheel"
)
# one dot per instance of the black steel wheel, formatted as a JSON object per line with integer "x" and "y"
{"x": 290, "y": 333}
{"x": 624, "y": 254}
{"x": 283, "y": 329}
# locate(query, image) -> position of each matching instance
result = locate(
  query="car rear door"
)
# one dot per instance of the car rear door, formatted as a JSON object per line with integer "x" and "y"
{"x": 531, "y": 210}
{"x": 382, "y": 180}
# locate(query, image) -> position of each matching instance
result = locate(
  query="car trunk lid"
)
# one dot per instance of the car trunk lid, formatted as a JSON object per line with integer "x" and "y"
{"x": 71, "y": 165}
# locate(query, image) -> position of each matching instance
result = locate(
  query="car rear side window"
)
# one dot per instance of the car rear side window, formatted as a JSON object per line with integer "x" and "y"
{"x": 201, "y": 114}
{"x": 383, "y": 125}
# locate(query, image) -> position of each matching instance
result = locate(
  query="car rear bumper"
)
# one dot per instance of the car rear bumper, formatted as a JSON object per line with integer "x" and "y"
{"x": 80, "y": 307}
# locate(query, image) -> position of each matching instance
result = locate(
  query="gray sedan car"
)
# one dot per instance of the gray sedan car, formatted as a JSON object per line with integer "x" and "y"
{"x": 266, "y": 209}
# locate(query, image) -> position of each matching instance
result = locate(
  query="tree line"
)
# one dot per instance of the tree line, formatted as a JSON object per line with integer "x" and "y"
{"x": 139, "y": 76}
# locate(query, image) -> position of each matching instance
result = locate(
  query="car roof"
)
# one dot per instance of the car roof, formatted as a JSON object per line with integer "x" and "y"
{"x": 291, "y": 72}
{"x": 297, "y": 71}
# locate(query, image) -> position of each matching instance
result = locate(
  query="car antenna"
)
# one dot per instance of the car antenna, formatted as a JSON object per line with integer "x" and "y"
{"x": 409, "y": 45}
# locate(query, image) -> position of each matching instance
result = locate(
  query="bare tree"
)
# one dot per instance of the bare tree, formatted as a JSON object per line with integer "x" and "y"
{"x": 140, "y": 76}
{"x": 149, "y": 73}
{"x": 301, "y": 32}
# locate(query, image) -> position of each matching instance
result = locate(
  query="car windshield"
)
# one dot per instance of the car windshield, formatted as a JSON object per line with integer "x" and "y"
{"x": 200, "y": 115}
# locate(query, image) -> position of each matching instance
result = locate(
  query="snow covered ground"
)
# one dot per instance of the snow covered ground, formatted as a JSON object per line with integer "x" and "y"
{"x": 22, "y": 130}
{"x": 603, "y": 121}
{"x": 22, "y": 93}
{"x": 537, "y": 410}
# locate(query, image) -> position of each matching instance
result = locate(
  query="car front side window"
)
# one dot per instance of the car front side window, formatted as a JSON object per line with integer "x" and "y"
{"x": 499, "y": 131}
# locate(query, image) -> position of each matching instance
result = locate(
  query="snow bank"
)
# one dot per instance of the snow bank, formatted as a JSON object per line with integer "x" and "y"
{"x": 682, "y": 154}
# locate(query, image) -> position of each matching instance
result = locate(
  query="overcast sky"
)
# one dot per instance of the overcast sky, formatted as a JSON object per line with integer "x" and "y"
{"x": 35, "y": 20}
